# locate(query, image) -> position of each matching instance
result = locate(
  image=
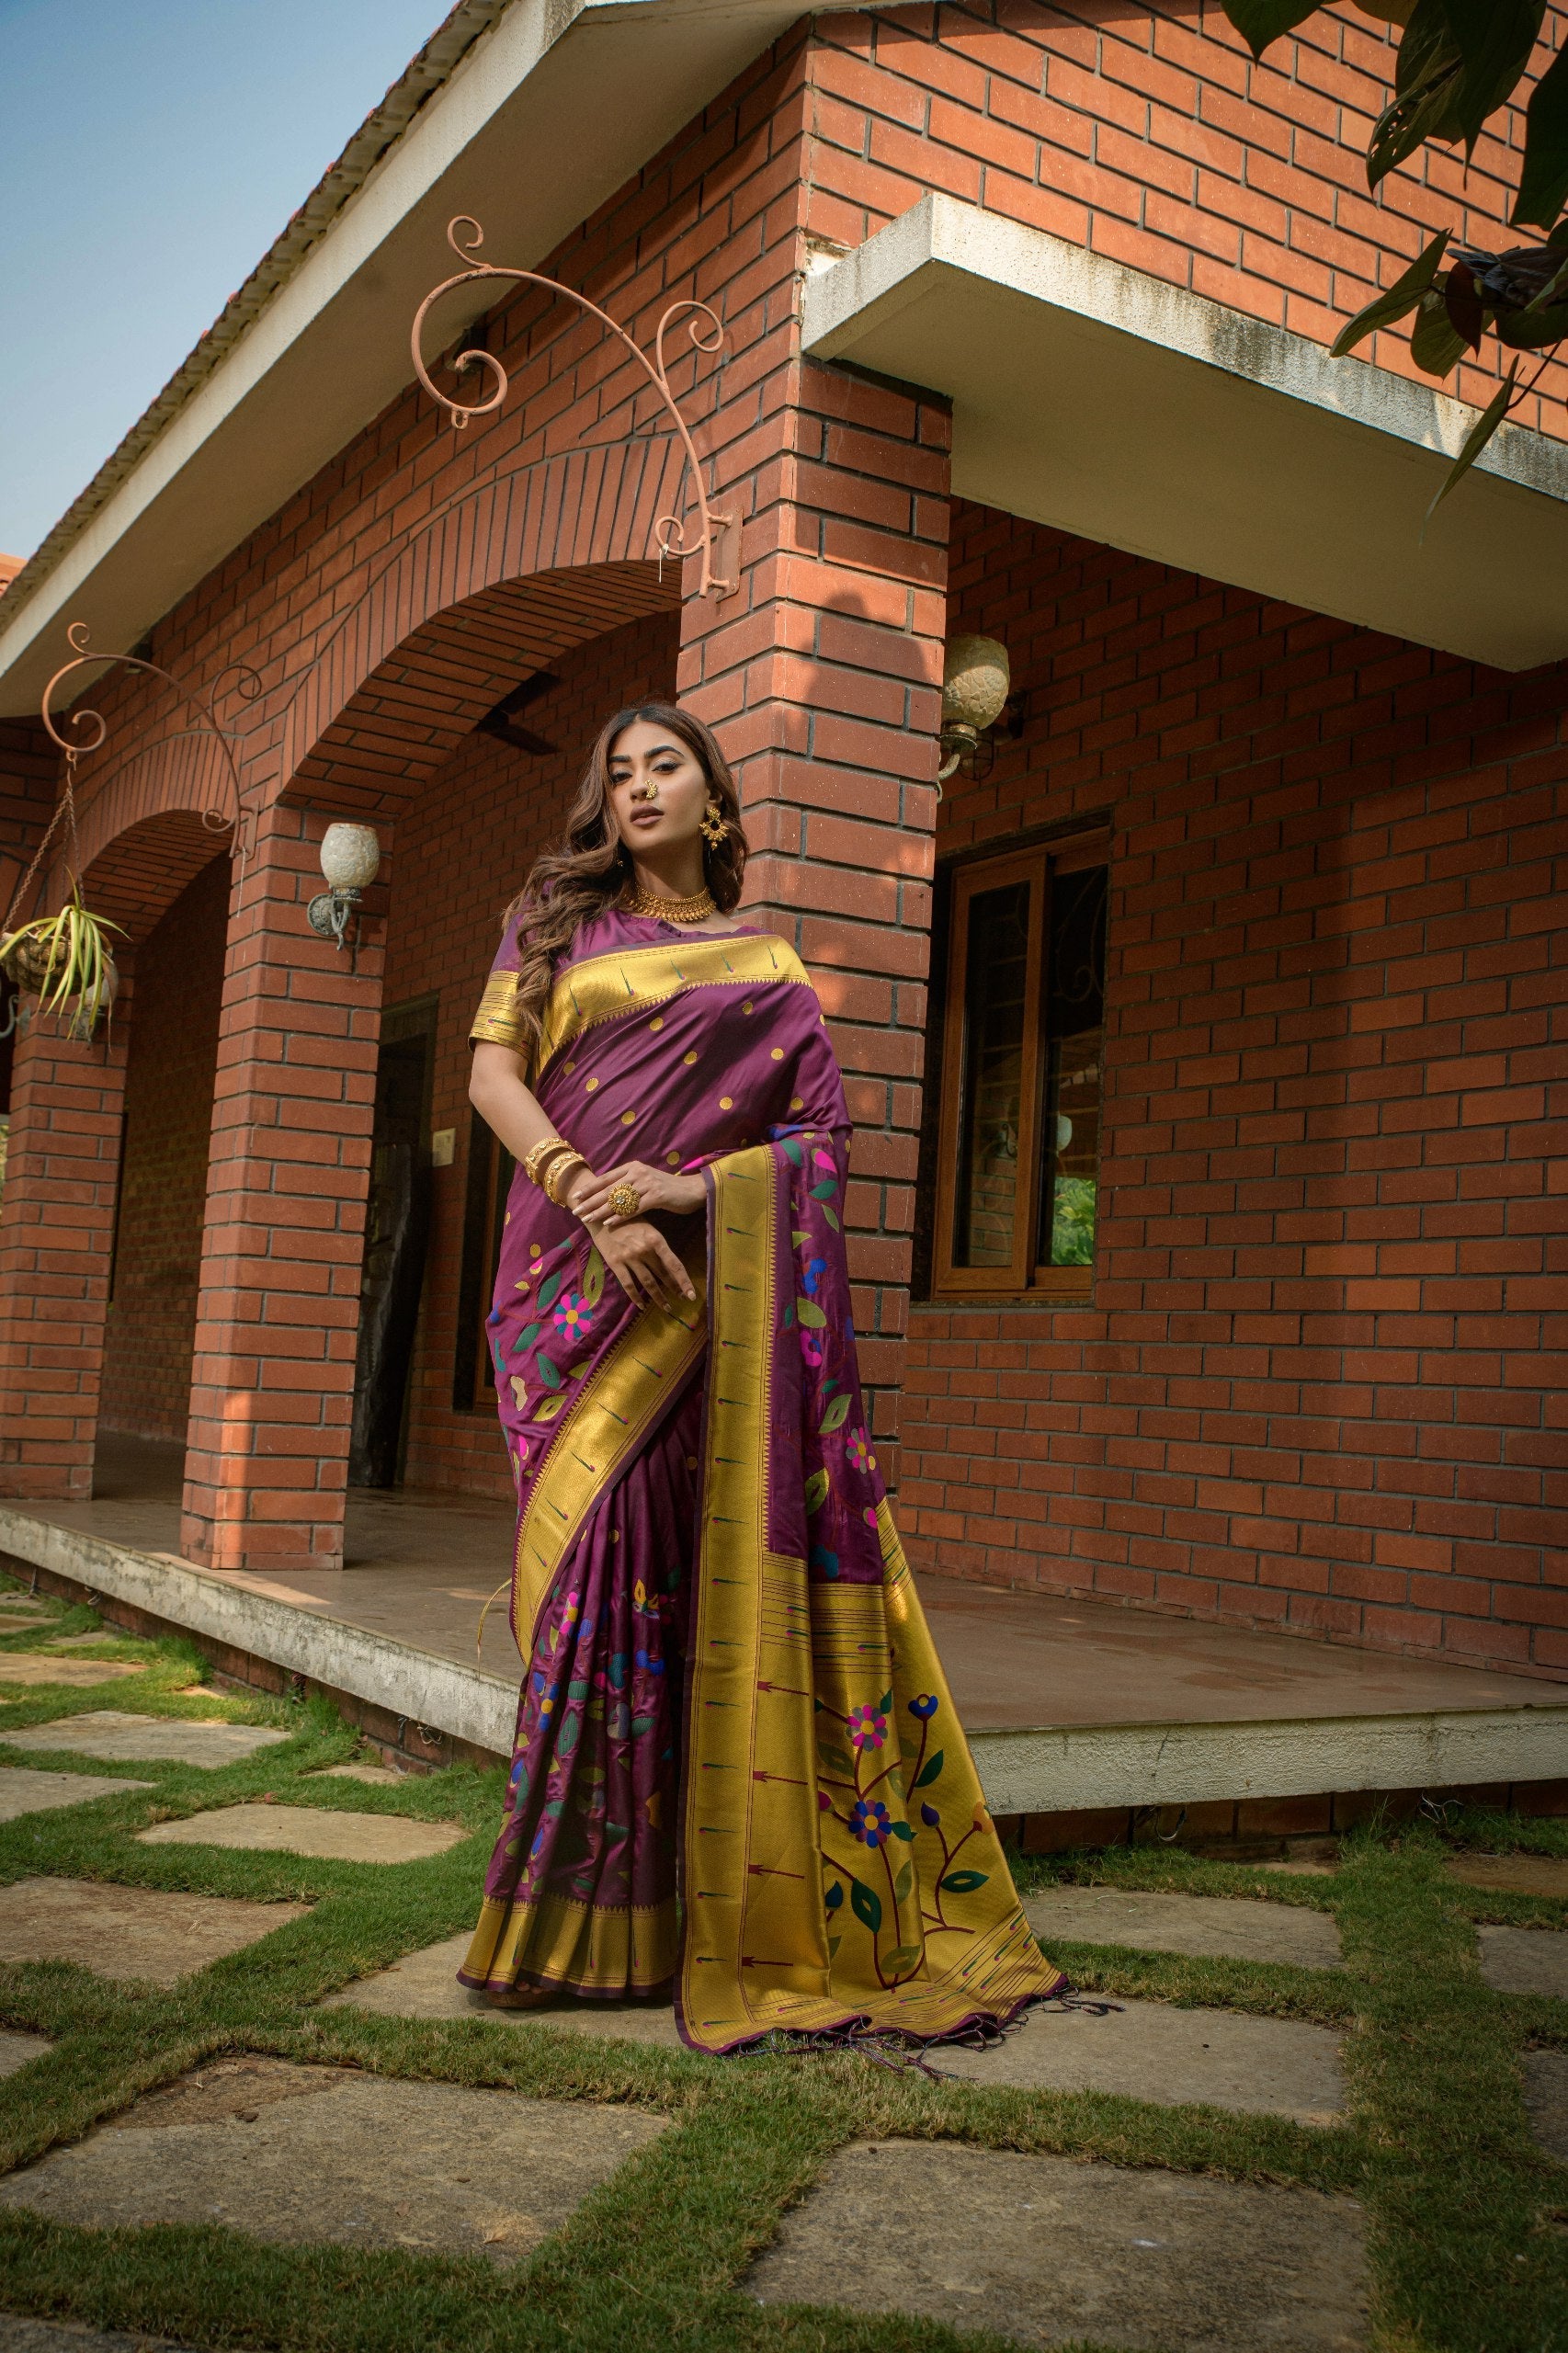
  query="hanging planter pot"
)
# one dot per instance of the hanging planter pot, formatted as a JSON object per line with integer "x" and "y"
{"x": 65, "y": 961}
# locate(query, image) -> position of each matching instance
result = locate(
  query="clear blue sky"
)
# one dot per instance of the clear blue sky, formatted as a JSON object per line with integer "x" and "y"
{"x": 150, "y": 151}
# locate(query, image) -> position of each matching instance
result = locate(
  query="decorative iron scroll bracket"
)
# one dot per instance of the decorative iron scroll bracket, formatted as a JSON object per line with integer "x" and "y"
{"x": 90, "y": 731}
{"x": 714, "y": 541}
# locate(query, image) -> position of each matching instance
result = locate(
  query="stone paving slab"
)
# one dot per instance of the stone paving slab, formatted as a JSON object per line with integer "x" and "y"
{"x": 1524, "y": 1960}
{"x": 129, "y": 1931}
{"x": 375, "y": 1777}
{"x": 104, "y": 1634}
{"x": 1225, "y": 1927}
{"x": 1546, "y": 2097}
{"x": 311, "y": 1830}
{"x": 109, "y": 1733}
{"x": 11, "y": 1623}
{"x": 1043, "y": 2248}
{"x": 1152, "y": 2051}
{"x": 425, "y": 1985}
{"x": 40, "y": 1667}
{"x": 306, "y": 2154}
{"x": 23, "y": 1790}
{"x": 1513, "y": 1874}
{"x": 20, "y": 2333}
{"x": 17, "y": 2049}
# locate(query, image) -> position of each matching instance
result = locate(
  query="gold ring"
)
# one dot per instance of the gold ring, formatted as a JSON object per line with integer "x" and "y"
{"x": 624, "y": 1200}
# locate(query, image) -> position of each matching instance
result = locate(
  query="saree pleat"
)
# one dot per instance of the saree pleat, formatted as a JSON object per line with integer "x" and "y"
{"x": 581, "y": 1890}
{"x": 737, "y": 1761}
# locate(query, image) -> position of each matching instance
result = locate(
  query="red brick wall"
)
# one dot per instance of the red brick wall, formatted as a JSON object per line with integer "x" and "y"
{"x": 397, "y": 595}
{"x": 172, "y": 1055}
{"x": 1317, "y": 1385}
{"x": 463, "y": 850}
{"x": 1149, "y": 135}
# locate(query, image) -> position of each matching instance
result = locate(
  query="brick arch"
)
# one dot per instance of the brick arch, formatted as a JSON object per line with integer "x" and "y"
{"x": 182, "y": 780}
{"x": 497, "y": 584}
{"x": 137, "y": 877}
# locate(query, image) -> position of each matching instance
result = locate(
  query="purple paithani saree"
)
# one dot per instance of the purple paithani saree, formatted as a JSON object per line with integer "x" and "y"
{"x": 737, "y": 1764}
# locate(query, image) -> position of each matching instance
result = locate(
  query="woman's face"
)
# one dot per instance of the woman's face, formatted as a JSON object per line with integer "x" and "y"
{"x": 658, "y": 791}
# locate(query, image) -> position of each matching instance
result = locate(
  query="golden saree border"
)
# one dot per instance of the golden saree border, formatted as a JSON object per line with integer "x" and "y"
{"x": 496, "y": 1023}
{"x": 605, "y": 1427}
{"x": 769, "y": 1650}
{"x": 557, "y": 1941}
{"x": 605, "y": 986}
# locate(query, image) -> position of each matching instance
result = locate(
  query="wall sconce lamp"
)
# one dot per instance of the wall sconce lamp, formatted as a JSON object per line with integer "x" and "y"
{"x": 350, "y": 859}
{"x": 975, "y": 683}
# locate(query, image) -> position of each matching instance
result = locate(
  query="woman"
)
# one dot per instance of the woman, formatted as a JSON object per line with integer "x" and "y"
{"x": 730, "y": 1684}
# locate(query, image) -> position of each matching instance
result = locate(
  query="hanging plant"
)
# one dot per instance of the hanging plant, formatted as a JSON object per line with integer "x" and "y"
{"x": 64, "y": 959}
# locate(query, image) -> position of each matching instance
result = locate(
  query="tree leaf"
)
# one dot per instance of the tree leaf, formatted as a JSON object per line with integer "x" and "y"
{"x": 1261, "y": 21}
{"x": 593, "y": 1278}
{"x": 838, "y": 1413}
{"x": 549, "y": 1372}
{"x": 1426, "y": 81}
{"x": 836, "y": 1760}
{"x": 901, "y": 1957}
{"x": 1401, "y": 296}
{"x": 901, "y": 1829}
{"x": 884, "y": 1705}
{"x": 548, "y": 1407}
{"x": 816, "y": 1490}
{"x": 548, "y": 1288}
{"x": 1495, "y": 38}
{"x": 962, "y": 1883}
{"x": 867, "y": 1905}
{"x": 1475, "y": 441}
{"x": 1436, "y": 345}
{"x": 1543, "y": 180}
{"x": 903, "y": 1882}
{"x": 811, "y": 1314}
{"x": 929, "y": 1770}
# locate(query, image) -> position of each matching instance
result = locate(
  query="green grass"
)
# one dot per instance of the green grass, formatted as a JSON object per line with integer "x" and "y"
{"x": 1469, "y": 2220}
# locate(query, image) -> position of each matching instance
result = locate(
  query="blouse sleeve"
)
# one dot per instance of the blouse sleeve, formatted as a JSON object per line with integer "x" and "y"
{"x": 496, "y": 1023}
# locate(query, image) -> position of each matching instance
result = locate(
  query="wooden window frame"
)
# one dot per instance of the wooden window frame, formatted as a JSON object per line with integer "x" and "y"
{"x": 1024, "y": 1279}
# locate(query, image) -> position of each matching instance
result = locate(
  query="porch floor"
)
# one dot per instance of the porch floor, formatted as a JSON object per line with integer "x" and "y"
{"x": 1072, "y": 1696}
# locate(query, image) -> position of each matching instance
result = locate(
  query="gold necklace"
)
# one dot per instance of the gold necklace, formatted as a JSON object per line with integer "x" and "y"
{"x": 635, "y": 901}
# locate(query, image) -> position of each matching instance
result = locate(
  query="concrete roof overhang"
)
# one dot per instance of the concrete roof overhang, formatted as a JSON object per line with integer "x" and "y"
{"x": 528, "y": 113}
{"x": 1098, "y": 399}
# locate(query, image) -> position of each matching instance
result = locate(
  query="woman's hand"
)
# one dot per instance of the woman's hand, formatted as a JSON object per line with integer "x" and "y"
{"x": 656, "y": 1188}
{"x": 641, "y": 1262}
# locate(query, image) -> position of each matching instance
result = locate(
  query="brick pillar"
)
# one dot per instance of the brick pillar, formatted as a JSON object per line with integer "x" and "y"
{"x": 56, "y": 1241}
{"x": 823, "y": 679}
{"x": 278, "y": 1311}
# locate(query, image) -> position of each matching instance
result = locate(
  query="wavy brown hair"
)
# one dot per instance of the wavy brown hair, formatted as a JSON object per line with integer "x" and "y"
{"x": 591, "y": 867}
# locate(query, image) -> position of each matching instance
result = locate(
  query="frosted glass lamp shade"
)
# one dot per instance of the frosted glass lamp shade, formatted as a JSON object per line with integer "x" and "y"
{"x": 975, "y": 679}
{"x": 350, "y": 857}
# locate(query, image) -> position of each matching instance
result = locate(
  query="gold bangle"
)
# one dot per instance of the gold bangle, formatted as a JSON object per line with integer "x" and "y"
{"x": 560, "y": 1174}
{"x": 534, "y": 1162}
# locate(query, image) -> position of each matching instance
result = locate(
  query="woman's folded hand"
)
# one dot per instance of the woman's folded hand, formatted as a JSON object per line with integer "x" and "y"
{"x": 642, "y": 1262}
{"x": 656, "y": 1188}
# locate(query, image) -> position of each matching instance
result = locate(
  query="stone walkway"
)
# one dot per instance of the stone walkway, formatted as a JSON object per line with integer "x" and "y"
{"x": 23, "y": 1791}
{"x": 310, "y": 1830}
{"x": 1213, "y": 1927}
{"x": 1142, "y": 2050}
{"x": 1524, "y": 1960}
{"x": 308, "y": 2154}
{"x": 129, "y": 1931}
{"x": 1041, "y": 2249}
{"x": 107, "y": 1734}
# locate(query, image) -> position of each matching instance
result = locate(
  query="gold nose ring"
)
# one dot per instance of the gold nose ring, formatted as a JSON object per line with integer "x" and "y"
{"x": 646, "y": 793}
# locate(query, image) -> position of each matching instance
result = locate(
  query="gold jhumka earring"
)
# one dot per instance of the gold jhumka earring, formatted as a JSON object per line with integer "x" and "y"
{"x": 712, "y": 826}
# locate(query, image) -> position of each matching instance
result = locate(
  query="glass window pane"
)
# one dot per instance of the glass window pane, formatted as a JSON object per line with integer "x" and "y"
{"x": 1074, "y": 1015}
{"x": 996, "y": 972}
